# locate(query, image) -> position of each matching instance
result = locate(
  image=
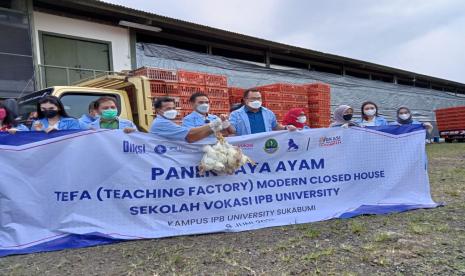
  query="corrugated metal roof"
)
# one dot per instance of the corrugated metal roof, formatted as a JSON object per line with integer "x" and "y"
{"x": 258, "y": 42}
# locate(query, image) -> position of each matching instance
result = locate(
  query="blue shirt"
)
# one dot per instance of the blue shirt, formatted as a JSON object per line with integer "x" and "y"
{"x": 168, "y": 129}
{"x": 257, "y": 125}
{"x": 85, "y": 121}
{"x": 378, "y": 121}
{"x": 243, "y": 125}
{"x": 122, "y": 123}
{"x": 65, "y": 123}
{"x": 195, "y": 119}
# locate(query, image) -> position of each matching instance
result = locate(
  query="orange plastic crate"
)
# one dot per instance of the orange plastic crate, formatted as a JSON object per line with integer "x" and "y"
{"x": 217, "y": 92}
{"x": 236, "y": 91}
{"x": 187, "y": 77}
{"x": 186, "y": 90}
{"x": 216, "y": 80}
{"x": 158, "y": 88}
{"x": 157, "y": 74}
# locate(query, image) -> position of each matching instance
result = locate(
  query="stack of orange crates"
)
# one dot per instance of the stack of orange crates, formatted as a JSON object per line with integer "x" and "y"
{"x": 216, "y": 87}
{"x": 281, "y": 97}
{"x": 181, "y": 84}
{"x": 319, "y": 104}
{"x": 235, "y": 95}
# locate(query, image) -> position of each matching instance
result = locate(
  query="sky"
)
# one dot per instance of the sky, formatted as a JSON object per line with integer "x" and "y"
{"x": 423, "y": 36}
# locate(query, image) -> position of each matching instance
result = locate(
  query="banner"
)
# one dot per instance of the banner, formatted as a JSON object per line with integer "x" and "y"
{"x": 82, "y": 188}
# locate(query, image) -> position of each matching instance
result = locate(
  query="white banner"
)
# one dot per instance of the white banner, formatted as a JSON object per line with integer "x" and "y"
{"x": 78, "y": 189}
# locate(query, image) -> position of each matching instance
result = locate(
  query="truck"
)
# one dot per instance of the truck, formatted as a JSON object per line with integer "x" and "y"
{"x": 451, "y": 123}
{"x": 132, "y": 94}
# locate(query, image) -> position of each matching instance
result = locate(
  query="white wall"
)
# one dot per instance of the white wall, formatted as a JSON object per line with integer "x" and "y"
{"x": 118, "y": 36}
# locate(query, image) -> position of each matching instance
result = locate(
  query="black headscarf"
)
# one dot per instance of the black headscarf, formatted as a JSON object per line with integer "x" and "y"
{"x": 407, "y": 121}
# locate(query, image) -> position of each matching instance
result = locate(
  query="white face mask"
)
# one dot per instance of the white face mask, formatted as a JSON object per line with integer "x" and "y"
{"x": 203, "y": 108}
{"x": 170, "y": 114}
{"x": 255, "y": 104}
{"x": 404, "y": 116}
{"x": 302, "y": 119}
{"x": 370, "y": 112}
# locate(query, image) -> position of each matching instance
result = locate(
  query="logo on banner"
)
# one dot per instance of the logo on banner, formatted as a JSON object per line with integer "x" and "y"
{"x": 326, "y": 141}
{"x": 271, "y": 146}
{"x": 160, "y": 149}
{"x": 292, "y": 146}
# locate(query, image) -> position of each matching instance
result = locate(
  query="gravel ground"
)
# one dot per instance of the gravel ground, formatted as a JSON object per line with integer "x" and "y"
{"x": 420, "y": 242}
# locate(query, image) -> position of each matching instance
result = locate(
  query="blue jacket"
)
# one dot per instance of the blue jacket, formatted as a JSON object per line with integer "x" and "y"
{"x": 65, "y": 123}
{"x": 196, "y": 119}
{"x": 412, "y": 123}
{"x": 123, "y": 123}
{"x": 240, "y": 120}
{"x": 168, "y": 129}
{"x": 85, "y": 121}
{"x": 379, "y": 121}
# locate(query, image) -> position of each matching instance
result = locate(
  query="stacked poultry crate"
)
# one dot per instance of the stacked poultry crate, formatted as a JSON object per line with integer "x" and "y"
{"x": 319, "y": 104}
{"x": 181, "y": 84}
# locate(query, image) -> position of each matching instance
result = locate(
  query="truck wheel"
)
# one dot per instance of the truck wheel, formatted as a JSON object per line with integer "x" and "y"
{"x": 448, "y": 140}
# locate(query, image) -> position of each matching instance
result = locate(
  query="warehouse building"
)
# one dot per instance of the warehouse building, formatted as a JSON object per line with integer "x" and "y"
{"x": 61, "y": 42}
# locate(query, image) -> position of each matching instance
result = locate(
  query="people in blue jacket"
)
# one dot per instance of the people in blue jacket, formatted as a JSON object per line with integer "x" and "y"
{"x": 90, "y": 117}
{"x": 8, "y": 122}
{"x": 370, "y": 116}
{"x": 200, "y": 116}
{"x": 404, "y": 117}
{"x": 51, "y": 116}
{"x": 253, "y": 117}
{"x": 164, "y": 124}
{"x": 108, "y": 116}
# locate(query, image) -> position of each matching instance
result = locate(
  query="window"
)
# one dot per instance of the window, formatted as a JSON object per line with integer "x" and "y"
{"x": 77, "y": 104}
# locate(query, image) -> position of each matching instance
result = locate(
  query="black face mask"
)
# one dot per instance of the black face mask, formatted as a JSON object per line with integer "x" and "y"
{"x": 347, "y": 117}
{"x": 50, "y": 113}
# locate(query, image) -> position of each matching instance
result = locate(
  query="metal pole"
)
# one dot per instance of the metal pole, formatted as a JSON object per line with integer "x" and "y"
{"x": 67, "y": 76}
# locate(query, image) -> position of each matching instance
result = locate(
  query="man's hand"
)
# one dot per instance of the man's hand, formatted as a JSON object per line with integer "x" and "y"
{"x": 12, "y": 130}
{"x": 216, "y": 125}
{"x": 224, "y": 117}
{"x": 291, "y": 128}
{"x": 128, "y": 129}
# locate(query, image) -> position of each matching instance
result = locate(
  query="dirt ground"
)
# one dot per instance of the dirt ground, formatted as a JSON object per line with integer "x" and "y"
{"x": 421, "y": 242}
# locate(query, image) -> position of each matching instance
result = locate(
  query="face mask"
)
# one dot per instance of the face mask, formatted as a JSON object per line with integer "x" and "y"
{"x": 170, "y": 114}
{"x": 404, "y": 116}
{"x": 302, "y": 119}
{"x": 370, "y": 112}
{"x": 255, "y": 104}
{"x": 50, "y": 113}
{"x": 203, "y": 108}
{"x": 2, "y": 114}
{"x": 109, "y": 114}
{"x": 347, "y": 117}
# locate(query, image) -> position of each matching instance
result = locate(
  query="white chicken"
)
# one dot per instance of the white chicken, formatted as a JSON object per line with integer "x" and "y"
{"x": 222, "y": 157}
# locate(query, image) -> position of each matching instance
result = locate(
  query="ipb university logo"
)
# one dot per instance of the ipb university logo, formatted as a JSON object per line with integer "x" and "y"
{"x": 271, "y": 146}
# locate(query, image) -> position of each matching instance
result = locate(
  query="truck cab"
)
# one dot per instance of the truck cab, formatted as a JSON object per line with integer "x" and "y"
{"x": 129, "y": 92}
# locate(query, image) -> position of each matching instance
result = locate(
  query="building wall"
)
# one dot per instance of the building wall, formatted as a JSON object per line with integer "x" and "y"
{"x": 118, "y": 36}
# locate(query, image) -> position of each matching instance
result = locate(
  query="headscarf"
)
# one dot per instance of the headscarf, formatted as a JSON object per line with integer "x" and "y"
{"x": 404, "y": 122}
{"x": 339, "y": 115}
{"x": 291, "y": 117}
